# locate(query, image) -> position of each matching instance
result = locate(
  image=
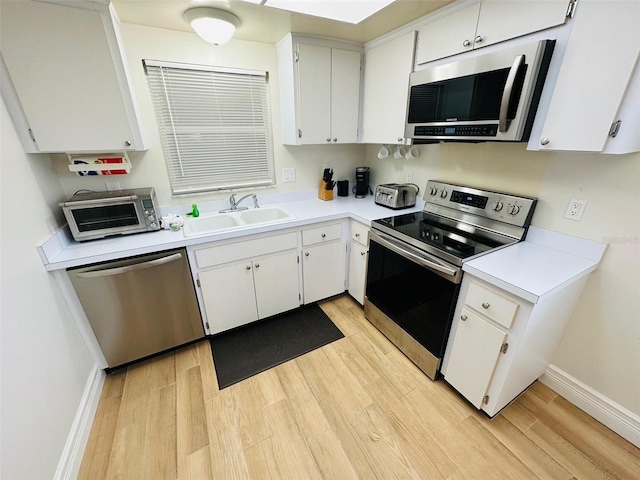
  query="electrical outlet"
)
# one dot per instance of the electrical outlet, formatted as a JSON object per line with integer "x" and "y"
{"x": 288, "y": 175}
{"x": 575, "y": 209}
{"x": 113, "y": 186}
{"x": 409, "y": 177}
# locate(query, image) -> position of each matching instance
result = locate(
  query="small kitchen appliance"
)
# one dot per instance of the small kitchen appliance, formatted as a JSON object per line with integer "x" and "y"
{"x": 94, "y": 215}
{"x": 396, "y": 195}
{"x": 362, "y": 182}
{"x": 415, "y": 263}
{"x": 489, "y": 97}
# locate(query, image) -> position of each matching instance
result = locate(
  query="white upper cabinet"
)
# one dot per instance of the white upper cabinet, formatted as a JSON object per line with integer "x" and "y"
{"x": 319, "y": 90}
{"x": 598, "y": 83}
{"x": 486, "y": 23}
{"x": 69, "y": 76}
{"x": 386, "y": 87}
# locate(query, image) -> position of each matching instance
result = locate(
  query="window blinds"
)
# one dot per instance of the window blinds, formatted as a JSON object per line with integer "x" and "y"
{"x": 214, "y": 126}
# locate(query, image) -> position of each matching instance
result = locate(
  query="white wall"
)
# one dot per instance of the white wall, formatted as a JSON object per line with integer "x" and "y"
{"x": 44, "y": 363}
{"x": 601, "y": 346}
{"x": 149, "y": 167}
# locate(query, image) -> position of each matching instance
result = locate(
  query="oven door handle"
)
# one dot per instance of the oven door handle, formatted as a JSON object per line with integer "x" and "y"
{"x": 403, "y": 251}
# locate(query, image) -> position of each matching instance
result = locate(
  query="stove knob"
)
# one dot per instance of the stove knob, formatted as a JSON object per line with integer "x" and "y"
{"x": 498, "y": 206}
{"x": 514, "y": 209}
{"x": 434, "y": 190}
{"x": 444, "y": 193}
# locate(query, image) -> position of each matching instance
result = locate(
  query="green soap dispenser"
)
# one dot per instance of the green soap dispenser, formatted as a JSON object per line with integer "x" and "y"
{"x": 194, "y": 210}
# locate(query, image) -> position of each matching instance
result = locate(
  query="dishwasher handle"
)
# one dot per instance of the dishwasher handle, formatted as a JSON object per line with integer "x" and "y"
{"x": 130, "y": 268}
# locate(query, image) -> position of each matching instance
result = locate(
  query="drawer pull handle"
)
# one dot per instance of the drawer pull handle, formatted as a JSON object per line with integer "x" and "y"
{"x": 485, "y": 305}
{"x": 463, "y": 318}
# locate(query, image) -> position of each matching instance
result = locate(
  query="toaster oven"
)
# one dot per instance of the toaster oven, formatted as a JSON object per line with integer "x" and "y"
{"x": 93, "y": 215}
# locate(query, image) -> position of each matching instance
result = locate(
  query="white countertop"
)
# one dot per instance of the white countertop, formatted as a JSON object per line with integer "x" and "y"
{"x": 62, "y": 252}
{"x": 544, "y": 262}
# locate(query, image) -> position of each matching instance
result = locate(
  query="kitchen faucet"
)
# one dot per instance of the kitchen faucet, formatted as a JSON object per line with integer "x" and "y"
{"x": 234, "y": 203}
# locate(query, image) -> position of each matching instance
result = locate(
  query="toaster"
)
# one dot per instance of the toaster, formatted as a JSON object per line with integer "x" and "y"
{"x": 396, "y": 195}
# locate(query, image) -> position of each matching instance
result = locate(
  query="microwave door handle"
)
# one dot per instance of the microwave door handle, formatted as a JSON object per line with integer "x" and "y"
{"x": 101, "y": 201}
{"x": 507, "y": 93}
{"x": 130, "y": 268}
{"x": 383, "y": 240}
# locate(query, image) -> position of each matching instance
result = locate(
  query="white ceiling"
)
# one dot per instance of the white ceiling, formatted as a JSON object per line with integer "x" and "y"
{"x": 269, "y": 25}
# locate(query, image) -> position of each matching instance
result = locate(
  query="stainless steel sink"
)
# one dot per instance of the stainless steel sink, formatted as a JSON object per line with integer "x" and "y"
{"x": 219, "y": 222}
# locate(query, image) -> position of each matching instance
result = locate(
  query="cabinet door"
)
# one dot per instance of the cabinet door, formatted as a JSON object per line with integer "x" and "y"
{"x": 314, "y": 93}
{"x": 501, "y": 20}
{"x": 74, "y": 93}
{"x": 358, "y": 271}
{"x": 474, "y": 354}
{"x": 276, "y": 283}
{"x": 229, "y": 296}
{"x": 386, "y": 88}
{"x": 593, "y": 77}
{"x": 448, "y": 35}
{"x": 345, "y": 95}
{"x": 323, "y": 271}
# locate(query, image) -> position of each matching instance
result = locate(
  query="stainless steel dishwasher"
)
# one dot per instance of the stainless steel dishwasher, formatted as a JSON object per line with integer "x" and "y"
{"x": 139, "y": 306}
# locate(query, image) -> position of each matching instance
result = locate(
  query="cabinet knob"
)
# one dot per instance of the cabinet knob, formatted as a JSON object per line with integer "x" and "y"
{"x": 478, "y": 39}
{"x": 363, "y": 253}
{"x": 127, "y": 143}
{"x": 463, "y": 318}
{"x": 544, "y": 141}
{"x": 323, "y": 235}
{"x": 466, "y": 43}
{"x": 335, "y": 139}
{"x": 248, "y": 267}
{"x": 357, "y": 235}
{"x": 328, "y": 139}
{"x": 257, "y": 265}
{"x": 400, "y": 140}
{"x": 485, "y": 305}
{"x": 306, "y": 254}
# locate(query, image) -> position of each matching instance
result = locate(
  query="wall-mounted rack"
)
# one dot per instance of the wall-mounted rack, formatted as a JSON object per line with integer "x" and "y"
{"x": 100, "y": 164}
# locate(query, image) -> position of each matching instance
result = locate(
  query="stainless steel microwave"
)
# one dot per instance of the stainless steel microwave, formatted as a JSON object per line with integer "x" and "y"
{"x": 489, "y": 97}
{"x": 93, "y": 215}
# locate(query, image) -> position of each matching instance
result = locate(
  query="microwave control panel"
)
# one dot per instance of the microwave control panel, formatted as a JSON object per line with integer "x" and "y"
{"x": 486, "y": 130}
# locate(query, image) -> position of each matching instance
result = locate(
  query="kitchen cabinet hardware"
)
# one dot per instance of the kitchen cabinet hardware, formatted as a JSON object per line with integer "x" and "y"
{"x": 478, "y": 39}
{"x": 463, "y": 318}
{"x": 485, "y": 305}
{"x": 466, "y": 43}
{"x": 306, "y": 254}
{"x": 504, "y": 348}
{"x": 544, "y": 141}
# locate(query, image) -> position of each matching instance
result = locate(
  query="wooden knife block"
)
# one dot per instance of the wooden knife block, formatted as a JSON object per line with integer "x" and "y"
{"x": 323, "y": 193}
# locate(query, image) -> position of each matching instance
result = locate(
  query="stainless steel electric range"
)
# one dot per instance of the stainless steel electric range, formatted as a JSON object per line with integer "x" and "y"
{"x": 415, "y": 263}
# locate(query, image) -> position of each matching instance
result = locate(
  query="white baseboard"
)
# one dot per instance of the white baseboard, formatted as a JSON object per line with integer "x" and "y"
{"x": 71, "y": 458}
{"x": 622, "y": 421}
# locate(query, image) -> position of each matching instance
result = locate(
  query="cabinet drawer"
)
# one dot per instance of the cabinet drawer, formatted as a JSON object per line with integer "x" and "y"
{"x": 231, "y": 252}
{"x": 491, "y": 304}
{"x": 325, "y": 233}
{"x": 360, "y": 233}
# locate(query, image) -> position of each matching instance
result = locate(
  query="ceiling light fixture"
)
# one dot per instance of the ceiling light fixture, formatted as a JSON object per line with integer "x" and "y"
{"x": 213, "y": 25}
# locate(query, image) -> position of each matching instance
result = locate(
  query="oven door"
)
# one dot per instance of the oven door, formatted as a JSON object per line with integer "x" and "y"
{"x": 411, "y": 297}
{"x": 92, "y": 219}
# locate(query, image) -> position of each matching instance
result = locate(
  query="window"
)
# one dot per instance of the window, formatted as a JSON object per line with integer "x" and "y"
{"x": 214, "y": 126}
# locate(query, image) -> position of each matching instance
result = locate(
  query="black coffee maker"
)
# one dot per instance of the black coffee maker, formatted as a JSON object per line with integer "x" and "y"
{"x": 362, "y": 182}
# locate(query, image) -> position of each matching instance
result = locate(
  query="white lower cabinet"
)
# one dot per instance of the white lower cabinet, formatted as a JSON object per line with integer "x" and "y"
{"x": 243, "y": 281}
{"x": 324, "y": 256}
{"x": 358, "y": 256}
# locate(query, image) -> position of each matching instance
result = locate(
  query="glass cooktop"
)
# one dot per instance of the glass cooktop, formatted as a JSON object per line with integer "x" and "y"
{"x": 432, "y": 232}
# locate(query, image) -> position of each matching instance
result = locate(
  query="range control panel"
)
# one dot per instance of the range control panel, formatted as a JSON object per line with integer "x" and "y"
{"x": 505, "y": 207}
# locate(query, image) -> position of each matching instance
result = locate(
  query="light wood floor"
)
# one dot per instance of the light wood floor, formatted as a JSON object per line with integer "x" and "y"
{"x": 356, "y": 408}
